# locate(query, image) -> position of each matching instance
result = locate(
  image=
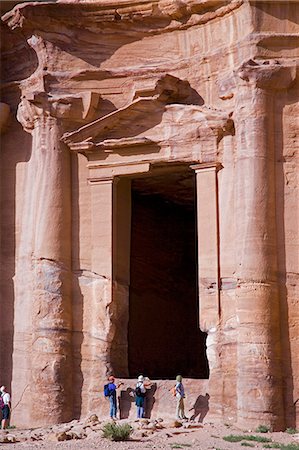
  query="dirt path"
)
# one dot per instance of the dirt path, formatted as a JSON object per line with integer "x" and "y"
{"x": 87, "y": 435}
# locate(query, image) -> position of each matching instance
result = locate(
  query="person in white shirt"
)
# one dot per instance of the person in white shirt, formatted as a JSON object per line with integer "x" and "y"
{"x": 143, "y": 383}
{"x": 6, "y": 407}
{"x": 180, "y": 395}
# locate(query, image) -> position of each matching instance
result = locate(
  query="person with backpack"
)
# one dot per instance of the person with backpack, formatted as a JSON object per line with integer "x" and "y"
{"x": 110, "y": 392}
{"x": 5, "y": 407}
{"x": 180, "y": 395}
{"x": 140, "y": 393}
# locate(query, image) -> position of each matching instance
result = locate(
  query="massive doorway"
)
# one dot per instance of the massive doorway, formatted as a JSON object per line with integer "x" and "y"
{"x": 164, "y": 338}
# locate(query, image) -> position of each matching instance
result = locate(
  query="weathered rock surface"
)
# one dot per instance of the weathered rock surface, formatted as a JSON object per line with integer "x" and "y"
{"x": 149, "y": 209}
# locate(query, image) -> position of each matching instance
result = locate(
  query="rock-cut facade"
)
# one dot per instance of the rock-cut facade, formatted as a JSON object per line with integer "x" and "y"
{"x": 149, "y": 207}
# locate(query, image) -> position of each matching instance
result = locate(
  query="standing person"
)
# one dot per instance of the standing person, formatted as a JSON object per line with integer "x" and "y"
{"x": 112, "y": 397}
{"x": 6, "y": 409}
{"x": 180, "y": 395}
{"x": 140, "y": 393}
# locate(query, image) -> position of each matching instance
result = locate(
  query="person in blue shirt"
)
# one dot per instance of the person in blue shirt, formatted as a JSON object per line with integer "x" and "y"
{"x": 180, "y": 395}
{"x": 112, "y": 397}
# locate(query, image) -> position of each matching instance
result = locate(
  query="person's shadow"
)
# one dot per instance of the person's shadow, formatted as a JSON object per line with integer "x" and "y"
{"x": 201, "y": 407}
{"x": 149, "y": 401}
{"x": 125, "y": 401}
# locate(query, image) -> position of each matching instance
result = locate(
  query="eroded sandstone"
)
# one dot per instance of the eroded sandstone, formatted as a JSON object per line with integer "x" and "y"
{"x": 149, "y": 206}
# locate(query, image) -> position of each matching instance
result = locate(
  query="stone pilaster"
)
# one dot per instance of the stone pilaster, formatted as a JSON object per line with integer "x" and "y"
{"x": 259, "y": 386}
{"x": 208, "y": 248}
{"x": 111, "y": 234}
{"x": 208, "y": 274}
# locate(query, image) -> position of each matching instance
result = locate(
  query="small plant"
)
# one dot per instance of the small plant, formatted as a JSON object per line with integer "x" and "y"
{"x": 180, "y": 445}
{"x": 292, "y": 446}
{"x": 247, "y": 444}
{"x": 252, "y": 437}
{"x": 263, "y": 429}
{"x": 292, "y": 430}
{"x": 272, "y": 445}
{"x": 233, "y": 438}
{"x": 116, "y": 432}
{"x": 239, "y": 438}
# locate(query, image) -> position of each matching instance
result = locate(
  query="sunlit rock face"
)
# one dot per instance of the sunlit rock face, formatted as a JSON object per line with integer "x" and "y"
{"x": 149, "y": 208}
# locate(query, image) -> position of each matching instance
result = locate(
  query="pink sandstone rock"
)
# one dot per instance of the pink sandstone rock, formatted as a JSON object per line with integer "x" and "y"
{"x": 149, "y": 208}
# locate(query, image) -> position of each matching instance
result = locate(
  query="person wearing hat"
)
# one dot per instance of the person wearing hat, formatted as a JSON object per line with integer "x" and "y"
{"x": 112, "y": 397}
{"x": 140, "y": 393}
{"x": 6, "y": 408}
{"x": 180, "y": 395}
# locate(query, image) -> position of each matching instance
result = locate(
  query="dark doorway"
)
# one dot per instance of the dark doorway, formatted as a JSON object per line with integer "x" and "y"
{"x": 163, "y": 334}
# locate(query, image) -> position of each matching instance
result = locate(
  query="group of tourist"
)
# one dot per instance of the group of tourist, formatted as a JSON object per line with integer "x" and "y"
{"x": 5, "y": 407}
{"x": 142, "y": 385}
{"x": 110, "y": 389}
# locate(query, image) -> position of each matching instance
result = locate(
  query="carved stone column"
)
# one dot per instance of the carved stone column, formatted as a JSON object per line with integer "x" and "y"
{"x": 259, "y": 387}
{"x": 46, "y": 234}
{"x": 43, "y": 272}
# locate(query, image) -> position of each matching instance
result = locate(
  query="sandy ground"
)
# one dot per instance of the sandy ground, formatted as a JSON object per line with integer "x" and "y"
{"x": 199, "y": 436}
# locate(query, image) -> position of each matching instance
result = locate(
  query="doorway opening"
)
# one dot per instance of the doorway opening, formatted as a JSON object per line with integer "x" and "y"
{"x": 164, "y": 338}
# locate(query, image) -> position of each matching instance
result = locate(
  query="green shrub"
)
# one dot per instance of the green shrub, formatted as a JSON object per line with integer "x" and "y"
{"x": 292, "y": 430}
{"x": 233, "y": 438}
{"x": 292, "y": 446}
{"x": 263, "y": 429}
{"x": 180, "y": 445}
{"x": 239, "y": 438}
{"x": 252, "y": 437}
{"x": 247, "y": 444}
{"x": 272, "y": 445}
{"x": 116, "y": 432}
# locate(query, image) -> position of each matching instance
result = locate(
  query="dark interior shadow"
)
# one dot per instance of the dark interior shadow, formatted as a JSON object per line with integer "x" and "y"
{"x": 283, "y": 99}
{"x": 77, "y": 297}
{"x": 200, "y": 407}
{"x": 149, "y": 401}
{"x": 125, "y": 401}
{"x": 168, "y": 231}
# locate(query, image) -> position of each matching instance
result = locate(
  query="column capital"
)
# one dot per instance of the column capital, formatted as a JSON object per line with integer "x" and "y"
{"x": 67, "y": 108}
{"x": 102, "y": 180}
{"x": 269, "y": 74}
{"x": 206, "y": 167}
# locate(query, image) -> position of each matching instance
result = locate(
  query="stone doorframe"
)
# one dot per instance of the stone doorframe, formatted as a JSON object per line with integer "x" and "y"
{"x": 111, "y": 252}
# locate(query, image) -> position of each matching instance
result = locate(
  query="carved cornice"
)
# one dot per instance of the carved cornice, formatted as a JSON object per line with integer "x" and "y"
{"x": 167, "y": 89}
{"x": 167, "y": 14}
{"x": 166, "y": 96}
